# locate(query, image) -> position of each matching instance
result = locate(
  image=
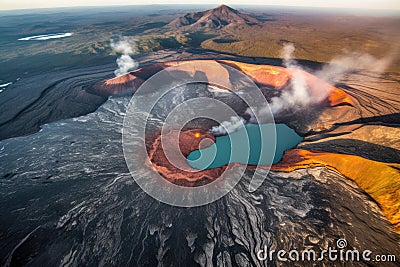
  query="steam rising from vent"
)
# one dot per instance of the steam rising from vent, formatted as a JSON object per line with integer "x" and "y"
{"x": 340, "y": 66}
{"x": 227, "y": 127}
{"x": 125, "y": 46}
{"x": 287, "y": 55}
{"x": 298, "y": 95}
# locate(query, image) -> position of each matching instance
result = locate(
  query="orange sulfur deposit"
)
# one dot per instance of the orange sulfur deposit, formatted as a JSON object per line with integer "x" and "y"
{"x": 263, "y": 75}
{"x": 379, "y": 180}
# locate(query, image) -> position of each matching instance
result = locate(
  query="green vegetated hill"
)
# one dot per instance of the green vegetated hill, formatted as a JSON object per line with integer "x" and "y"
{"x": 316, "y": 37}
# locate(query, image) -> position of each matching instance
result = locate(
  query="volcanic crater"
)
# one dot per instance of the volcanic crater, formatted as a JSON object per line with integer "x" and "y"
{"x": 267, "y": 77}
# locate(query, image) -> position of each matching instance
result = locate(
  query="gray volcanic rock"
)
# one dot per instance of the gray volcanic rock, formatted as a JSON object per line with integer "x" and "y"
{"x": 36, "y": 100}
{"x": 213, "y": 18}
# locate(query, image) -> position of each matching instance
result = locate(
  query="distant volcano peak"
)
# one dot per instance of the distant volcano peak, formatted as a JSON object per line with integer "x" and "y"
{"x": 218, "y": 17}
{"x": 224, "y": 7}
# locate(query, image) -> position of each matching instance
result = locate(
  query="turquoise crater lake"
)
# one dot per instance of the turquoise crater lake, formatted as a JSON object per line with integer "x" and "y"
{"x": 253, "y": 144}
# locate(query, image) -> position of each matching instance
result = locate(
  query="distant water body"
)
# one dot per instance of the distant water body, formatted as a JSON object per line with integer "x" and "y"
{"x": 234, "y": 147}
{"x": 46, "y": 36}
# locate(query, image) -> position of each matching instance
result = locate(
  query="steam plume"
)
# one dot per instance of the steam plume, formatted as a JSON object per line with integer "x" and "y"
{"x": 126, "y": 47}
{"x": 227, "y": 127}
{"x": 298, "y": 95}
{"x": 340, "y": 66}
{"x": 287, "y": 55}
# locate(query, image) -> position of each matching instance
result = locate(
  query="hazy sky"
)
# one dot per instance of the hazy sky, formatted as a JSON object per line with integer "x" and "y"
{"x": 369, "y": 4}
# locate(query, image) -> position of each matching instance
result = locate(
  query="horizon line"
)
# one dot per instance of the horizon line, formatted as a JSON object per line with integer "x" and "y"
{"x": 194, "y": 4}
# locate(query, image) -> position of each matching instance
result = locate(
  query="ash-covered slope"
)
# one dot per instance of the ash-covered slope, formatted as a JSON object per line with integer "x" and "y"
{"x": 218, "y": 17}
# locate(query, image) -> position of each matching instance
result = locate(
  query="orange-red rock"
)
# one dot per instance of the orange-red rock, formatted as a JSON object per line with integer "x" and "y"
{"x": 263, "y": 75}
{"x": 189, "y": 140}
